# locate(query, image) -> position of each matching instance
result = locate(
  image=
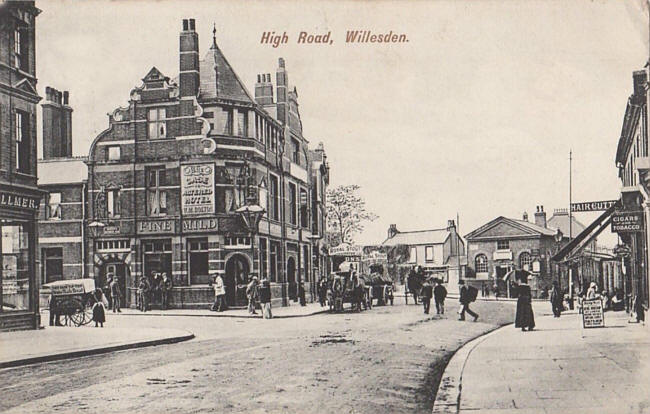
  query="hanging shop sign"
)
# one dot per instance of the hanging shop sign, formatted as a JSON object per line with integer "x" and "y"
{"x": 592, "y": 206}
{"x": 627, "y": 222}
{"x": 345, "y": 249}
{"x": 197, "y": 189}
{"x": 592, "y": 314}
{"x": 156, "y": 226}
{"x": 200, "y": 224}
{"x": 622, "y": 250}
{"x": 18, "y": 201}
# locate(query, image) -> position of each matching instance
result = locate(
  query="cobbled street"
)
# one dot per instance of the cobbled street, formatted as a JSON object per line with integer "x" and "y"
{"x": 386, "y": 360}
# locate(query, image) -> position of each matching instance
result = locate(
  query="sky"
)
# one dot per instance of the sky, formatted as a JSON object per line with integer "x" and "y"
{"x": 474, "y": 116}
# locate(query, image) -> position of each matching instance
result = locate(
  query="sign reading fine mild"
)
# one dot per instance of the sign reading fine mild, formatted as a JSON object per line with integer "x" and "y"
{"x": 197, "y": 186}
{"x": 627, "y": 222}
{"x": 592, "y": 206}
{"x": 592, "y": 314}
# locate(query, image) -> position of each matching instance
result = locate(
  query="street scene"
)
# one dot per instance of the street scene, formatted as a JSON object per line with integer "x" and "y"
{"x": 271, "y": 208}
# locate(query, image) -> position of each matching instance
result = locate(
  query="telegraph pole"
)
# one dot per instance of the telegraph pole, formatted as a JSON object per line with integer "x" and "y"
{"x": 570, "y": 226}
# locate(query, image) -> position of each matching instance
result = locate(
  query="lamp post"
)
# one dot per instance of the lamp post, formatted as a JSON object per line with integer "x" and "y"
{"x": 251, "y": 214}
{"x": 558, "y": 240}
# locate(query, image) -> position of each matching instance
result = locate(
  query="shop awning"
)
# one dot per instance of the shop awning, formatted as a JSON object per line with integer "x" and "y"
{"x": 583, "y": 239}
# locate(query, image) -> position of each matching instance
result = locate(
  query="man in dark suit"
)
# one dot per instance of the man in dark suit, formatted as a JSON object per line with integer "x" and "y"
{"x": 425, "y": 294}
{"x": 465, "y": 300}
{"x": 439, "y": 294}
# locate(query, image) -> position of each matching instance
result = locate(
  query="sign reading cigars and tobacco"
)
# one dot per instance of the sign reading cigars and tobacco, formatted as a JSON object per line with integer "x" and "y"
{"x": 197, "y": 186}
{"x": 592, "y": 206}
{"x": 627, "y": 222}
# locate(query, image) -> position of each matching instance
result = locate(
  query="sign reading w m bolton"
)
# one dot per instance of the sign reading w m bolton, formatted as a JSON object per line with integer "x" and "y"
{"x": 592, "y": 206}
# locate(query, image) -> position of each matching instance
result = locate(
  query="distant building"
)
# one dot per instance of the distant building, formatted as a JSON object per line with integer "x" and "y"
{"x": 441, "y": 252}
{"x": 19, "y": 194}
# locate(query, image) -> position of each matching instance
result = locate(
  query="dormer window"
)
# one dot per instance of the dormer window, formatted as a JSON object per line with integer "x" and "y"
{"x": 157, "y": 123}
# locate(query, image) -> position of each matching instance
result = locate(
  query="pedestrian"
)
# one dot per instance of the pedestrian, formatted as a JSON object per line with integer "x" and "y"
{"x": 322, "y": 291}
{"x": 639, "y": 309}
{"x": 156, "y": 283}
{"x": 55, "y": 312}
{"x": 166, "y": 290}
{"x": 301, "y": 293}
{"x": 426, "y": 292}
{"x": 466, "y": 297}
{"x": 487, "y": 291}
{"x": 412, "y": 284}
{"x": 265, "y": 298}
{"x": 99, "y": 313}
{"x": 107, "y": 291}
{"x": 592, "y": 292}
{"x": 439, "y": 294}
{"x": 524, "y": 317}
{"x": 115, "y": 293}
{"x": 557, "y": 300}
{"x": 252, "y": 294}
{"x": 219, "y": 295}
{"x": 143, "y": 294}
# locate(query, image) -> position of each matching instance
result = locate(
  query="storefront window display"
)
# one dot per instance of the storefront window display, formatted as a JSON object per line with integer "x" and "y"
{"x": 15, "y": 260}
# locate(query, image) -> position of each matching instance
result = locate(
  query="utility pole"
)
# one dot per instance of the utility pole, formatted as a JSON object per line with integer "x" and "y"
{"x": 570, "y": 226}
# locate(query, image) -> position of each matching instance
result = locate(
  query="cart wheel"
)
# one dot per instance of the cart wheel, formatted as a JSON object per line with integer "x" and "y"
{"x": 78, "y": 317}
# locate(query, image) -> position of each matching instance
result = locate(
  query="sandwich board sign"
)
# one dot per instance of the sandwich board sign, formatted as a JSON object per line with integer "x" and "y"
{"x": 592, "y": 313}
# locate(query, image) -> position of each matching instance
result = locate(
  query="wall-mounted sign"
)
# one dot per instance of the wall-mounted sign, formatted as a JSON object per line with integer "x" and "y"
{"x": 21, "y": 202}
{"x": 200, "y": 224}
{"x": 197, "y": 189}
{"x": 111, "y": 230}
{"x": 592, "y": 314}
{"x": 627, "y": 222}
{"x": 592, "y": 206}
{"x": 156, "y": 226}
{"x": 345, "y": 249}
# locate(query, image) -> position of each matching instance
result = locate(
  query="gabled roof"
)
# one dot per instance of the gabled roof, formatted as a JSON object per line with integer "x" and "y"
{"x": 62, "y": 171}
{"x": 154, "y": 75}
{"x": 435, "y": 236}
{"x": 561, "y": 221}
{"x": 219, "y": 80}
{"x": 26, "y": 86}
{"x": 518, "y": 228}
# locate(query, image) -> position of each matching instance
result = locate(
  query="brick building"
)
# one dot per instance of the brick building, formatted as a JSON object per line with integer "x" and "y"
{"x": 169, "y": 180}
{"x": 506, "y": 244}
{"x": 19, "y": 195}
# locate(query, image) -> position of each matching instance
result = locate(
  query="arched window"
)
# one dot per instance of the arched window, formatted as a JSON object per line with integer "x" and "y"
{"x": 525, "y": 260}
{"x": 481, "y": 263}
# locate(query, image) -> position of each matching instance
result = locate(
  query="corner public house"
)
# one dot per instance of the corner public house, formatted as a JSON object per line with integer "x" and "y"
{"x": 19, "y": 195}
{"x": 172, "y": 179}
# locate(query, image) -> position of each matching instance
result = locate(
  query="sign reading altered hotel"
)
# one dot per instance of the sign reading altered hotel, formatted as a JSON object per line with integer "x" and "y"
{"x": 197, "y": 182}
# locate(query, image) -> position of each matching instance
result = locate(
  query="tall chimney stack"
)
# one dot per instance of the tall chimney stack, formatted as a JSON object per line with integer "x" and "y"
{"x": 282, "y": 83}
{"x": 264, "y": 89}
{"x": 540, "y": 216}
{"x": 189, "y": 62}
{"x": 57, "y": 124}
{"x": 392, "y": 231}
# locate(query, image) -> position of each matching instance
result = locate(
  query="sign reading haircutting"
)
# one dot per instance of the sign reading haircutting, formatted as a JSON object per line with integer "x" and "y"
{"x": 18, "y": 201}
{"x": 592, "y": 206}
{"x": 197, "y": 189}
{"x": 627, "y": 222}
{"x": 592, "y": 314}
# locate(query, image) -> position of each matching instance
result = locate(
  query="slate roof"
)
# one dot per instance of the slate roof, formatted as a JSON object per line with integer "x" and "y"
{"x": 222, "y": 82}
{"x": 561, "y": 221}
{"x": 521, "y": 224}
{"x": 62, "y": 171}
{"x": 435, "y": 236}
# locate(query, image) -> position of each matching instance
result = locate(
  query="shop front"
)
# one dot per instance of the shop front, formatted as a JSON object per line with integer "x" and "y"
{"x": 18, "y": 283}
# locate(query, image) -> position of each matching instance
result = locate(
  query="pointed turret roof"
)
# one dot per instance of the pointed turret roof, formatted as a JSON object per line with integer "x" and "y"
{"x": 219, "y": 80}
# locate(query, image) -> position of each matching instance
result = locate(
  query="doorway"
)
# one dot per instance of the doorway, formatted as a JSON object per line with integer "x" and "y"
{"x": 118, "y": 269}
{"x": 291, "y": 279}
{"x": 237, "y": 270}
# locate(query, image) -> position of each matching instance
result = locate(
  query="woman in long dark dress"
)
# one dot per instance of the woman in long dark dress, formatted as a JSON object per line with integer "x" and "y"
{"x": 524, "y": 317}
{"x": 99, "y": 313}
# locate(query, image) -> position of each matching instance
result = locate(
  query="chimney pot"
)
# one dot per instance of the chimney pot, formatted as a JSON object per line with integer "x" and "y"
{"x": 258, "y": 78}
{"x": 525, "y": 216}
{"x": 192, "y": 25}
{"x": 66, "y": 95}
{"x": 185, "y": 25}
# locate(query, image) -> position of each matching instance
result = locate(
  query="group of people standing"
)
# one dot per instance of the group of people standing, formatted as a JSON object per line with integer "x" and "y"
{"x": 256, "y": 292}
{"x": 439, "y": 293}
{"x": 158, "y": 288}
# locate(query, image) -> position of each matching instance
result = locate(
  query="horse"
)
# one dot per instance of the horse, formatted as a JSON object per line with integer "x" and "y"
{"x": 414, "y": 283}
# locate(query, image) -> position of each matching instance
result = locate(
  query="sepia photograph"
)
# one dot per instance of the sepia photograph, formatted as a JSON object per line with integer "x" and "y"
{"x": 324, "y": 206}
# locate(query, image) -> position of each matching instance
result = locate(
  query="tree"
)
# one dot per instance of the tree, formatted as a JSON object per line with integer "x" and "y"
{"x": 346, "y": 212}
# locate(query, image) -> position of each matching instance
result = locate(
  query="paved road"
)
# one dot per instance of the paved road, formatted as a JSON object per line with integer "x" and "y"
{"x": 386, "y": 360}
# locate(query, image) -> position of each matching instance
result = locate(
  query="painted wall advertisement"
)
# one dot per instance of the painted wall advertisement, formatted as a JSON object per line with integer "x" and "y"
{"x": 197, "y": 185}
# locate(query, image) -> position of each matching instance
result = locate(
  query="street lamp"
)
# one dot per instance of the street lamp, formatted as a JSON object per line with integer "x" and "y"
{"x": 558, "y": 239}
{"x": 251, "y": 214}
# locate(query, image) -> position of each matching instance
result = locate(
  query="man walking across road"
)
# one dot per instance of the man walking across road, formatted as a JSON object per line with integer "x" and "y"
{"x": 465, "y": 300}
{"x": 425, "y": 294}
{"x": 439, "y": 294}
{"x": 115, "y": 293}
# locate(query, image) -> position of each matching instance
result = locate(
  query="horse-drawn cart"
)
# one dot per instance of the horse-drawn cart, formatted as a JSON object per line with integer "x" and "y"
{"x": 379, "y": 287}
{"x": 73, "y": 299}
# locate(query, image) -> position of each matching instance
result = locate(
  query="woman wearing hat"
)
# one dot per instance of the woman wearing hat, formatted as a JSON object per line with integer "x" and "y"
{"x": 524, "y": 317}
{"x": 592, "y": 292}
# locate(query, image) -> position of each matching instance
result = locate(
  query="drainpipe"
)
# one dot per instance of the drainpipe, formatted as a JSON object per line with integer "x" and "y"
{"x": 84, "y": 270}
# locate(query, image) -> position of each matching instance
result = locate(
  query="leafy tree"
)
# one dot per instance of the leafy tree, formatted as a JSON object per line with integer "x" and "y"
{"x": 346, "y": 213}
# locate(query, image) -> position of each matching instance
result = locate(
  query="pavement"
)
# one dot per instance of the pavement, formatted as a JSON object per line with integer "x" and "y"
{"x": 55, "y": 343}
{"x": 292, "y": 311}
{"x": 559, "y": 367}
